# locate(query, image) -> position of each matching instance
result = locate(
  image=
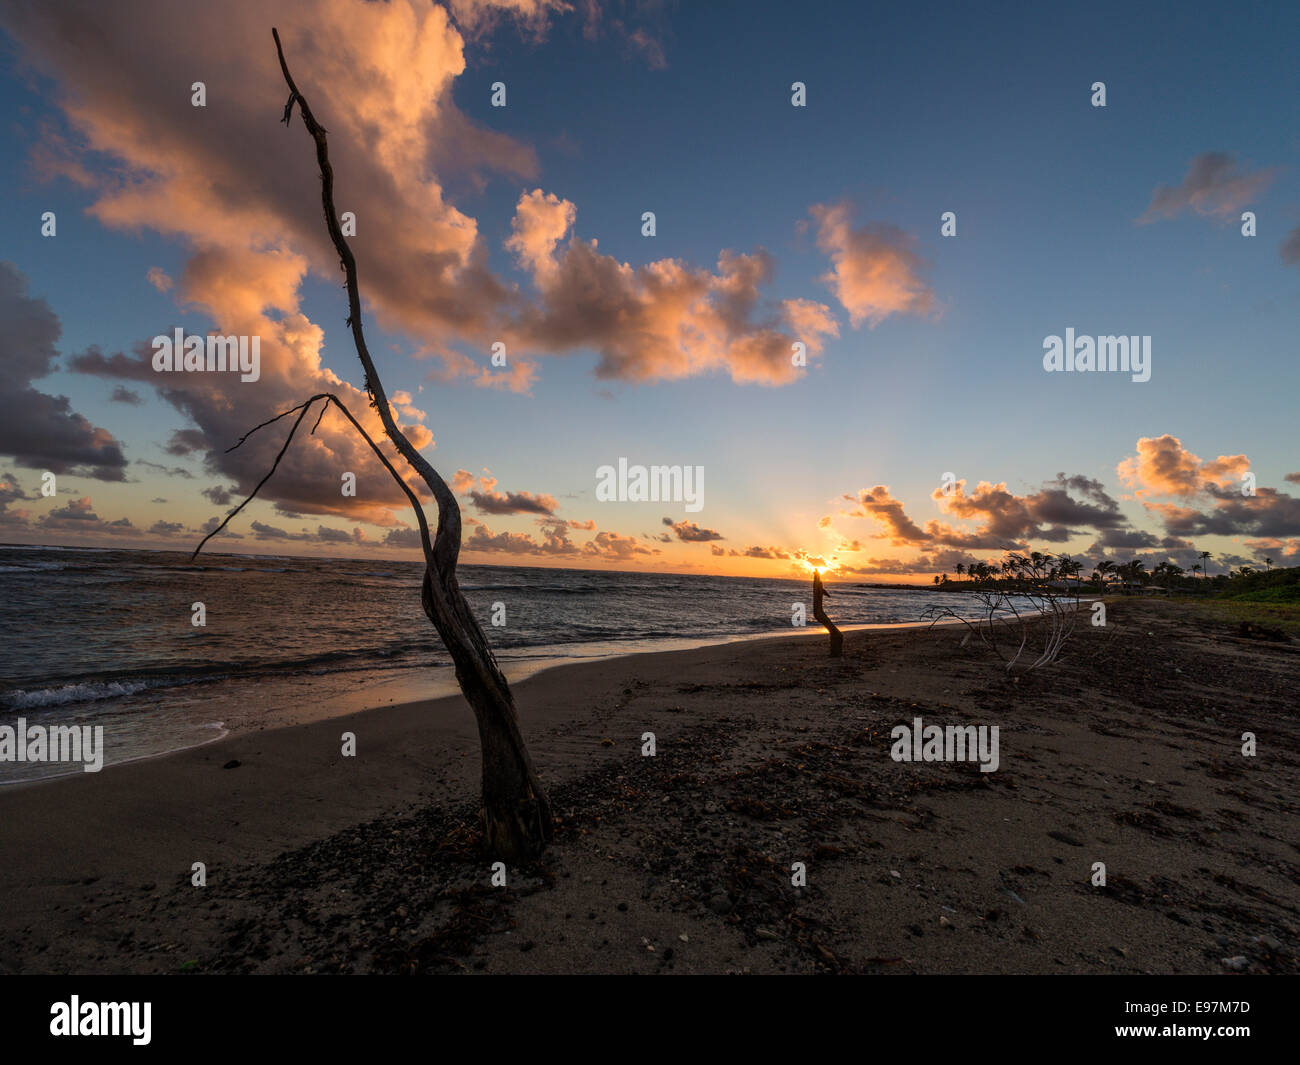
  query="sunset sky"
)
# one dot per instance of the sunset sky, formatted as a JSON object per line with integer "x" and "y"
{"x": 774, "y": 223}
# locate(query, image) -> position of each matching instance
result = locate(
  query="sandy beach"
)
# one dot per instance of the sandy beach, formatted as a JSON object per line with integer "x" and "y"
{"x": 1126, "y": 752}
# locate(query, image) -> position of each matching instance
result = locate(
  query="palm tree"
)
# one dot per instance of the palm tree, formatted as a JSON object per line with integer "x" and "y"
{"x": 1205, "y": 557}
{"x": 1196, "y": 568}
{"x": 1102, "y": 573}
{"x": 960, "y": 569}
{"x": 1268, "y": 562}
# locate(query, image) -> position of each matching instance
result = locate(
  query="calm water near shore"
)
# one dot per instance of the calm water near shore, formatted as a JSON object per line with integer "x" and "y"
{"x": 104, "y": 637}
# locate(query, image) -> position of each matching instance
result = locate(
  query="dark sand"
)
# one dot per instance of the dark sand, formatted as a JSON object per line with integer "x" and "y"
{"x": 1127, "y": 752}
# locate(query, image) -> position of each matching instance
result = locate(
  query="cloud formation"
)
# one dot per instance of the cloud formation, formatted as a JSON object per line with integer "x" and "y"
{"x": 661, "y": 321}
{"x": 874, "y": 270}
{"x": 38, "y": 430}
{"x": 1163, "y": 467}
{"x": 690, "y": 533}
{"x": 1214, "y": 187}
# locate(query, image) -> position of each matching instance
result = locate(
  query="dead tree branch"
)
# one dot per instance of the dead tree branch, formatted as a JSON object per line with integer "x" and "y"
{"x": 516, "y": 814}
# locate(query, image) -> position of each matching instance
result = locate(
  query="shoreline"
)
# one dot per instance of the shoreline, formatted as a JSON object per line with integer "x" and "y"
{"x": 1126, "y": 753}
{"x": 351, "y": 703}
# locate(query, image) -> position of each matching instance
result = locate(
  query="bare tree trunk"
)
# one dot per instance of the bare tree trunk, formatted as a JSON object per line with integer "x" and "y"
{"x": 516, "y": 814}
{"x": 819, "y": 612}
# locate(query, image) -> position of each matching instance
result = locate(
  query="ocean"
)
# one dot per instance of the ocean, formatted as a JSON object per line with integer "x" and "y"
{"x": 105, "y": 637}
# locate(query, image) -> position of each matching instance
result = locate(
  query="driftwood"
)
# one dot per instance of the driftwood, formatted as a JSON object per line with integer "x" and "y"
{"x": 516, "y": 814}
{"x": 1023, "y": 640}
{"x": 819, "y": 612}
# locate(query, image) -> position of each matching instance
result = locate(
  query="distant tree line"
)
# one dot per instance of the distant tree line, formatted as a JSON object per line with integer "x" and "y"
{"x": 1036, "y": 572}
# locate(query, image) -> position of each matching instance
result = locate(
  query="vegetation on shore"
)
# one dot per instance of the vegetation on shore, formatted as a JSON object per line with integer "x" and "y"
{"x": 1267, "y": 598}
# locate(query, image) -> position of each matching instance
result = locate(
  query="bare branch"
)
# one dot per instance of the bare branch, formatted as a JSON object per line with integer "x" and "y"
{"x": 302, "y": 409}
{"x": 446, "y": 546}
{"x": 329, "y": 398}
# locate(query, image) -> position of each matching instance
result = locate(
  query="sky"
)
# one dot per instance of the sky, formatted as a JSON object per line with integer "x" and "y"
{"x": 922, "y": 428}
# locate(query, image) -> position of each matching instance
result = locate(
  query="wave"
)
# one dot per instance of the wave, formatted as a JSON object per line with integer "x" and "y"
{"x": 174, "y": 675}
{"x": 92, "y": 691}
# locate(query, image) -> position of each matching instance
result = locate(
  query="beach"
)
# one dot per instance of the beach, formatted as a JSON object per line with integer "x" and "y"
{"x": 1126, "y": 752}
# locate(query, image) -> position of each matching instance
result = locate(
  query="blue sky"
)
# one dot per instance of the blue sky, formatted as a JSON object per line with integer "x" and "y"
{"x": 984, "y": 111}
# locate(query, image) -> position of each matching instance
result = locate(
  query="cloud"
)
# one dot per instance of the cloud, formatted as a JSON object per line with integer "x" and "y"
{"x": 403, "y": 538}
{"x": 945, "y": 562}
{"x": 661, "y": 321}
{"x": 512, "y": 503}
{"x": 1127, "y": 538}
{"x": 381, "y": 77}
{"x": 690, "y": 533}
{"x": 763, "y": 552}
{"x": 186, "y": 441}
{"x": 1268, "y": 513}
{"x": 125, "y": 395}
{"x": 480, "y": 16}
{"x": 518, "y": 375}
{"x": 12, "y": 492}
{"x": 874, "y": 271}
{"x": 224, "y": 408}
{"x": 170, "y": 471}
{"x": 1005, "y": 521}
{"x": 541, "y": 221}
{"x": 488, "y": 501}
{"x": 219, "y": 495}
{"x": 403, "y": 404}
{"x": 79, "y": 516}
{"x": 1213, "y": 187}
{"x": 645, "y": 40}
{"x": 225, "y": 534}
{"x": 38, "y": 430}
{"x": 236, "y": 187}
{"x": 159, "y": 279}
{"x": 1290, "y": 249}
{"x": 877, "y": 503}
{"x": 554, "y": 541}
{"x": 1162, "y": 466}
{"x": 262, "y": 531}
{"x": 614, "y": 547}
{"x": 1285, "y": 551}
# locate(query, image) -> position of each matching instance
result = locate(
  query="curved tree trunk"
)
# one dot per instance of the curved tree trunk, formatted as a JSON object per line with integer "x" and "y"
{"x": 819, "y": 612}
{"x": 516, "y": 814}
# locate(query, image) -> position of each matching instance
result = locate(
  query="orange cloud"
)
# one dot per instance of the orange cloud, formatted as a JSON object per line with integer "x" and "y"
{"x": 874, "y": 271}
{"x": 1163, "y": 467}
{"x": 663, "y": 320}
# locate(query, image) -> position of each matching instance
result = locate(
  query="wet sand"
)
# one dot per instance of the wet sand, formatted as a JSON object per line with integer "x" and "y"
{"x": 1126, "y": 752}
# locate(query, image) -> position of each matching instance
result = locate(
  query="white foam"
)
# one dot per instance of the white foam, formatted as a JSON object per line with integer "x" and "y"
{"x": 69, "y": 693}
